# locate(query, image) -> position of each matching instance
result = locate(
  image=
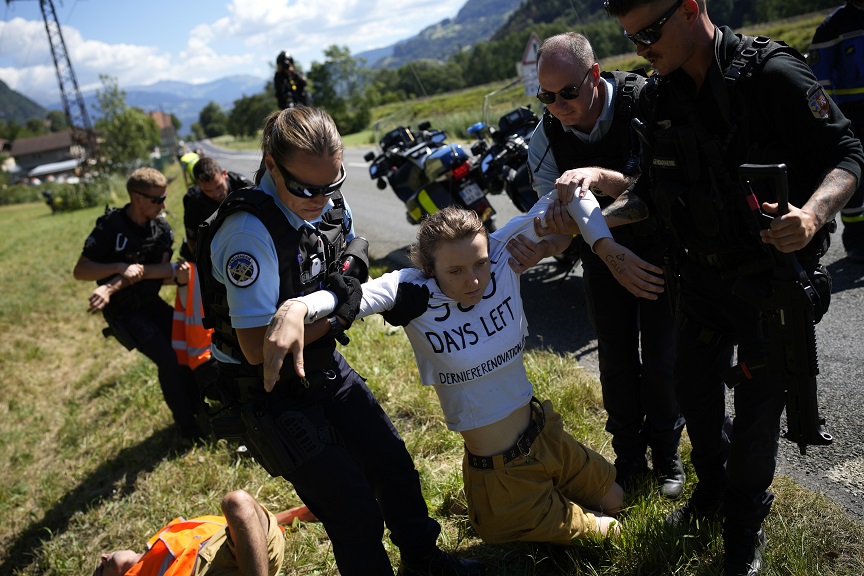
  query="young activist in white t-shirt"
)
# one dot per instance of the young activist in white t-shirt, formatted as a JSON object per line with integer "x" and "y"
{"x": 525, "y": 477}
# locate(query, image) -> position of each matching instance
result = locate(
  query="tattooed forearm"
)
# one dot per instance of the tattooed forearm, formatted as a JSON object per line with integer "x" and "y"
{"x": 625, "y": 209}
{"x": 831, "y": 195}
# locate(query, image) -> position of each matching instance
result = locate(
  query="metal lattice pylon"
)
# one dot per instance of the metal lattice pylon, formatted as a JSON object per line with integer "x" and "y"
{"x": 73, "y": 103}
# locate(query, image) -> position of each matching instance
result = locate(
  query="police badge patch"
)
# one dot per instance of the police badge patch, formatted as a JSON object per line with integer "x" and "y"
{"x": 817, "y": 100}
{"x": 241, "y": 270}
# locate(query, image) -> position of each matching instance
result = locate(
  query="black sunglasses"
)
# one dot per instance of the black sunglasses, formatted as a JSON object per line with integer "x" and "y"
{"x": 568, "y": 92}
{"x": 153, "y": 199}
{"x": 303, "y": 190}
{"x": 651, "y": 33}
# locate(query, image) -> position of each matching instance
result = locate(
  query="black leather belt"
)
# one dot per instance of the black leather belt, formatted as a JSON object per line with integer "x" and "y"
{"x": 733, "y": 264}
{"x": 522, "y": 446}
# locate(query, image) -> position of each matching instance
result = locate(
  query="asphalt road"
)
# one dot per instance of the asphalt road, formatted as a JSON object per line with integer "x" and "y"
{"x": 555, "y": 307}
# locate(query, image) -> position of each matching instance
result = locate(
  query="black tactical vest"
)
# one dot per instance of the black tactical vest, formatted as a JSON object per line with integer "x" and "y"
{"x": 695, "y": 154}
{"x": 137, "y": 248}
{"x": 305, "y": 258}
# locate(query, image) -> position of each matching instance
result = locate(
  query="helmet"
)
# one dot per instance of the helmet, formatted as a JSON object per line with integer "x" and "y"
{"x": 284, "y": 58}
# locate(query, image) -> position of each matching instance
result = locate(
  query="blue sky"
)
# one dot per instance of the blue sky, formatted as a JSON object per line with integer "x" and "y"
{"x": 142, "y": 42}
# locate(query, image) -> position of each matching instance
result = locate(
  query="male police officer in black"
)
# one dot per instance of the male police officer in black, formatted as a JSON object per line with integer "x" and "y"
{"x": 718, "y": 101}
{"x": 212, "y": 185}
{"x": 128, "y": 255}
{"x": 587, "y": 123}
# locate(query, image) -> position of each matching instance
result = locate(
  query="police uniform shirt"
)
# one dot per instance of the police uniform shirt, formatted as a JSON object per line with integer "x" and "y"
{"x": 245, "y": 261}
{"x": 789, "y": 120}
{"x": 543, "y": 180}
{"x": 116, "y": 238}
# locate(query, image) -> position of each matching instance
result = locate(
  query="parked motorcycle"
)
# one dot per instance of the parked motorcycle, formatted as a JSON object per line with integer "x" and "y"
{"x": 428, "y": 174}
{"x": 504, "y": 163}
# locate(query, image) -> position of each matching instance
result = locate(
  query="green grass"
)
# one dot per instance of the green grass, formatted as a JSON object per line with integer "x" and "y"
{"x": 89, "y": 461}
{"x": 234, "y": 143}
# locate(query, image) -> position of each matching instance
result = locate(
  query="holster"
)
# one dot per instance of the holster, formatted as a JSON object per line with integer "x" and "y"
{"x": 118, "y": 330}
{"x": 279, "y": 441}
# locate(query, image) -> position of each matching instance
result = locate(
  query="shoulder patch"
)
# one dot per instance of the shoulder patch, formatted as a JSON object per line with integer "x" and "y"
{"x": 817, "y": 100}
{"x": 242, "y": 270}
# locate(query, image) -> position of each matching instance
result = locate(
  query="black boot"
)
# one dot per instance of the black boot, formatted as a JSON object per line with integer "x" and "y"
{"x": 440, "y": 564}
{"x": 630, "y": 472}
{"x": 699, "y": 508}
{"x": 743, "y": 551}
{"x": 670, "y": 476}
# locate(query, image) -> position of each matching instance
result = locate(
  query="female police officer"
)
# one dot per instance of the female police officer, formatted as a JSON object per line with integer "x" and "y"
{"x": 325, "y": 433}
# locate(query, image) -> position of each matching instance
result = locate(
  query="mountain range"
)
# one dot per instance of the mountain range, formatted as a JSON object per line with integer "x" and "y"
{"x": 182, "y": 99}
{"x": 476, "y": 22}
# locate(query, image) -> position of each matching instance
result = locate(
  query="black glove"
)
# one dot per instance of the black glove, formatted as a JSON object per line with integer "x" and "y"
{"x": 348, "y": 293}
{"x": 411, "y": 302}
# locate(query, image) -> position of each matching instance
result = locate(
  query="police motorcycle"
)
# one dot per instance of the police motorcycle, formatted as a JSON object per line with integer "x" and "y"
{"x": 428, "y": 174}
{"x": 504, "y": 161}
{"x": 503, "y": 153}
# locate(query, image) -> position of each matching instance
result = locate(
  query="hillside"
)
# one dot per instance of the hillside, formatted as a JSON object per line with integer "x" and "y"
{"x": 476, "y": 22}
{"x": 577, "y": 14}
{"x": 15, "y": 107}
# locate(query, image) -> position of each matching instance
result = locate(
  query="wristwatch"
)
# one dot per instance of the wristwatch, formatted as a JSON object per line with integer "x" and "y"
{"x": 337, "y": 330}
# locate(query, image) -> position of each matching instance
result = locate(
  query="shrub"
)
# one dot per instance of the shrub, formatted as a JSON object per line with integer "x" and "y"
{"x": 19, "y": 194}
{"x": 92, "y": 191}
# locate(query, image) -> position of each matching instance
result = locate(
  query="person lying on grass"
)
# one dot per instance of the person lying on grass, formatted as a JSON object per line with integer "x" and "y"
{"x": 246, "y": 541}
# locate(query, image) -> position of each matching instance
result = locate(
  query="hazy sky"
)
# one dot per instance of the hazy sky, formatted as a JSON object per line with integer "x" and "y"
{"x": 141, "y": 42}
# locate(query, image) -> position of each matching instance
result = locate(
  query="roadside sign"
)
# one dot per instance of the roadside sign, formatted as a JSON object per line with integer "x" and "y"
{"x": 527, "y": 68}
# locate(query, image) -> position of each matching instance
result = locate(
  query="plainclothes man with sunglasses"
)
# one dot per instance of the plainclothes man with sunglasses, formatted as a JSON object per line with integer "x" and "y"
{"x": 586, "y": 122}
{"x": 128, "y": 255}
{"x": 325, "y": 432}
{"x": 711, "y": 107}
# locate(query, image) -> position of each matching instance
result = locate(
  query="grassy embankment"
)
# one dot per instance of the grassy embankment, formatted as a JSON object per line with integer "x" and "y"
{"x": 89, "y": 460}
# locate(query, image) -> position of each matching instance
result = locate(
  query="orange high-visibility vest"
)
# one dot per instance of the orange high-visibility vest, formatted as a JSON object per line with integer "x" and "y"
{"x": 173, "y": 551}
{"x": 189, "y": 338}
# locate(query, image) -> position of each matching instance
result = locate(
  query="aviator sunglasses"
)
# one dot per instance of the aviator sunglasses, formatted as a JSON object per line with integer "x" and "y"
{"x": 153, "y": 199}
{"x": 303, "y": 190}
{"x": 567, "y": 93}
{"x": 651, "y": 33}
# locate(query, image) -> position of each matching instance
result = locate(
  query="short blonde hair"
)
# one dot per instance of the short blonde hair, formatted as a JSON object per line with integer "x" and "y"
{"x": 144, "y": 179}
{"x": 451, "y": 223}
